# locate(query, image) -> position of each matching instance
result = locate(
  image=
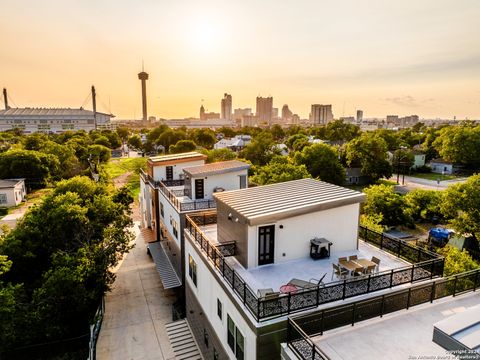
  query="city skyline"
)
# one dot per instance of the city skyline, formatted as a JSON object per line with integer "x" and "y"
{"x": 389, "y": 58}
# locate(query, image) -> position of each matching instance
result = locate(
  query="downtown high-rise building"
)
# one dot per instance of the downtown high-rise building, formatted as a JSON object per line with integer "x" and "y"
{"x": 286, "y": 113}
{"x": 226, "y": 107}
{"x": 321, "y": 114}
{"x": 359, "y": 115}
{"x": 264, "y": 109}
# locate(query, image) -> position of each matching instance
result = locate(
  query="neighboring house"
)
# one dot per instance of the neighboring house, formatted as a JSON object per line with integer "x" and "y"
{"x": 236, "y": 143}
{"x": 174, "y": 186}
{"x": 242, "y": 260}
{"x": 441, "y": 166}
{"x": 12, "y": 192}
{"x": 418, "y": 159}
{"x": 354, "y": 177}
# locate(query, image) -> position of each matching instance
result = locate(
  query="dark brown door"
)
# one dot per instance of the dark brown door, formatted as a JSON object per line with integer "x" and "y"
{"x": 169, "y": 170}
{"x": 199, "y": 189}
{"x": 266, "y": 244}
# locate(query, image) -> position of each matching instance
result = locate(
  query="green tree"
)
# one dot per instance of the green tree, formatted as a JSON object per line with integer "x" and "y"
{"x": 383, "y": 201}
{"x": 215, "y": 155}
{"x": 339, "y": 130}
{"x": 460, "y": 144}
{"x": 461, "y": 206}
{"x": 423, "y": 204}
{"x": 279, "y": 169}
{"x": 170, "y": 137}
{"x": 369, "y": 152}
{"x": 135, "y": 142}
{"x": 34, "y": 166}
{"x": 102, "y": 140}
{"x": 123, "y": 133}
{"x": 204, "y": 137}
{"x": 294, "y": 138}
{"x": 456, "y": 261}
{"x": 182, "y": 146}
{"x": 322, "y": 162}
{"x": 277, "y": 132}
{"x": 261, "y": 150}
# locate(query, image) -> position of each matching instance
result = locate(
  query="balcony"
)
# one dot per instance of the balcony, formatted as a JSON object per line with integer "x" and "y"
{"x": 401, "y": 263}
{"x": 179, "y": 197}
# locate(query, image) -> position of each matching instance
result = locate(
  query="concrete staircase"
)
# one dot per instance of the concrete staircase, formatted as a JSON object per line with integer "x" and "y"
{"x": 182, "y": 341}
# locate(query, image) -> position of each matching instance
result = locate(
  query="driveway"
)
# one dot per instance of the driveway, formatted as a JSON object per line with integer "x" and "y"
{"x": 412, "y": 183}
{"x": 137, "y": 310}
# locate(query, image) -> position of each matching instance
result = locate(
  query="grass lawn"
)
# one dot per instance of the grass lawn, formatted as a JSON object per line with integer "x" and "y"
{"x": 434, "y": 176}
{"x": 117, "y": 167}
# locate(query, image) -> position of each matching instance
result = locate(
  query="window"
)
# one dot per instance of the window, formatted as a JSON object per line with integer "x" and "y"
{"x": 161, "y": 210}
{"x": 3, "y": 198}
{"x": 215, "y": 354}
{"x": 235, "y": 339}
{"x": 205, "y": 337}
{"x": 219, "y": 309}
{"x": 243, "y": 181}
{"x": 192, "y": 269}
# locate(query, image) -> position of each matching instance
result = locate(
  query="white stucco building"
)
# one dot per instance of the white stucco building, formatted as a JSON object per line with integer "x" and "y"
{"x": 242, "y": 261}
{"x": 53, "y": 120}
{"x": 12, "y": 192}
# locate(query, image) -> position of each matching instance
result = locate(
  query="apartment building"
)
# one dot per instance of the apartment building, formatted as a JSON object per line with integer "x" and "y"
{"x": 271, "y": 251}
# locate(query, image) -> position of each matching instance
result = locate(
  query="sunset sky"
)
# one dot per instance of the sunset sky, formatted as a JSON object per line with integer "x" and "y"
{"x": 383, "y": 56}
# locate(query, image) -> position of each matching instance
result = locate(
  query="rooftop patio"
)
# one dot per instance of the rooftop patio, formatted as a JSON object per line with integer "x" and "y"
{"x": 275, "y": 275}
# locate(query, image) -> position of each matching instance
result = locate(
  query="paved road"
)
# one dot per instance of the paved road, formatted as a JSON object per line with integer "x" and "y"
{"x": 418, "y": 183}
{"x": 137, "y": 310}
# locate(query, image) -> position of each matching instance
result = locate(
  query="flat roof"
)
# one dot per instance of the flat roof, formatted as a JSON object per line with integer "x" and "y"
{"x": 47, "y": 112}
{"x": 177, "y": 158}
{"x": 399, "y": 335}
{"x": 287, "y": 199}
{"x": 220, "y": 167}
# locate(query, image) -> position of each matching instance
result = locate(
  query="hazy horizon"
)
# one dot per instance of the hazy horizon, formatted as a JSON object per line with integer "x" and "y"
{"x": 385, "y": 58}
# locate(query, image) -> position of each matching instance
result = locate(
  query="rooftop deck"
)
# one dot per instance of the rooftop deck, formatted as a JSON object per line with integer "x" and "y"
{"x": 275, "y": 275}
{"x": 245, "y": 283}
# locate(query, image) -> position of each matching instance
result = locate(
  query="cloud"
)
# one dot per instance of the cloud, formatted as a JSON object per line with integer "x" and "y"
{"x": 408, "y": 101}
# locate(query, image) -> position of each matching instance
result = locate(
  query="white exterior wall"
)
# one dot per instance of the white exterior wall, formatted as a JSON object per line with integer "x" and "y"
{"x": 442, "y": 168}
{"x": 419, "y": 160}
{"x": 13, "y": 196}
{"x": 338, "y": 225}
{"x": 169, "y": 213}
{"x": 227, "y": 181}
{"x": 207, "y": 292}
{"x": 160, "y": 172}
{"x": 145, "y": 204}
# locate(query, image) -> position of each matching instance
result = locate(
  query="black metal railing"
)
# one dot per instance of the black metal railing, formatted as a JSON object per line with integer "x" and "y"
{"x": 173, "y": 194}
{"x": 284, "y": 304}
{"x": 400, "y": 248}
{"x": 301, "y": 344}
{"x": 303, "y": 327}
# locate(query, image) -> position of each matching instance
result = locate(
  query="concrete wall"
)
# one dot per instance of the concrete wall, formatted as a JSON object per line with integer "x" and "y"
{"x": 227, "y": 181}
{"x": 339, "y": 225}
{"x": 13, "y": 196}
{"x": 230, "y": 230}
{"x": 160, "y": 173}
{"x": 206, "y": 293}
{"x": 170, "y": 216}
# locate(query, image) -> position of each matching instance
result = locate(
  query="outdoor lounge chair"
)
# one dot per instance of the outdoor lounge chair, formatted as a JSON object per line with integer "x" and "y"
{"x": 313, "y": 283}
{"x": 339, "y": 272}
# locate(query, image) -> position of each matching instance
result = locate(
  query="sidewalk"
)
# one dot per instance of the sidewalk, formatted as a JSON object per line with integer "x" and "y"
{"x": 137, "y": 310}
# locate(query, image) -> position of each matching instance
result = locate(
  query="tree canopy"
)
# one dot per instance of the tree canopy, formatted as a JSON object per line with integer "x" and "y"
{"x": 279, "y": 169}
{"x": 322, "y": 162}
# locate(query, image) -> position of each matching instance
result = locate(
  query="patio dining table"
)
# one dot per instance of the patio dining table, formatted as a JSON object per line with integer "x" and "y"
{"x": 348, "y": 264}
{"x": 364, "y": 262}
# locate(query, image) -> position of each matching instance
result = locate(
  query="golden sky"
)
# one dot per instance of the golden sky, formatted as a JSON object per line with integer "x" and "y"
{"x": 383, "y": 56}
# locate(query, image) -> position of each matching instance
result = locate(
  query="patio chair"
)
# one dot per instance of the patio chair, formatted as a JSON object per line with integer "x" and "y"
{"x": 342, "y": 259}
{"x": 339, "y": 272}
{"x": 264, "y": 292}
{"x": 358, "y": 271}
{"x": 370, "y": 269}
{"x": 376, "y": 261}
{"x": 352, "y": 257}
